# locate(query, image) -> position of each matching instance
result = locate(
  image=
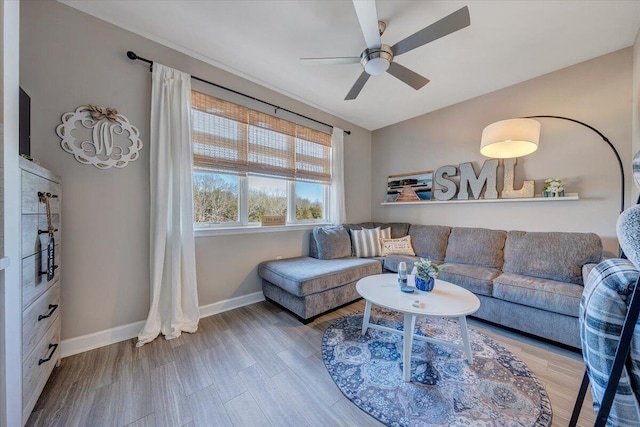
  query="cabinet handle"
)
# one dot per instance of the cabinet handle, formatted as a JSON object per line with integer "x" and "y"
{"x": 44, "y": 272}
{"x": 52, "y": 347}
{"x": 52, "y": 307}
{"x": 45, "y": 231}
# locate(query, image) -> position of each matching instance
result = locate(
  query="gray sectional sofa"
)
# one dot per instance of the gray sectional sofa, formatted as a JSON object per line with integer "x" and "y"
{"x": 531, "y": 282}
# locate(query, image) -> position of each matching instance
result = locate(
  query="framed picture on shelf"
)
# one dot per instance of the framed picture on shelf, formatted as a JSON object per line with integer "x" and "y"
{"x": 410, "y": 187}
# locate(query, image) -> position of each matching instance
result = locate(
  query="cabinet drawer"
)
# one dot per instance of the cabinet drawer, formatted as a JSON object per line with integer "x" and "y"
{"x": 33, "y": 284}
{"x": 32, "y": 242}
{"x": 36, "y": 368}
{"x": 37, "y": 319}
{"x": 31, "y": 185}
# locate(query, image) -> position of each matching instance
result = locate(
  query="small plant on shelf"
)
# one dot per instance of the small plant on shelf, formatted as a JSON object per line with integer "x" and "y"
{"x": 553, "y": 188}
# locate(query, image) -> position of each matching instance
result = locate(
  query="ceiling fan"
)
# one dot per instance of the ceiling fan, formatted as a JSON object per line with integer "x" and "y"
{"x": 378, "y": 58}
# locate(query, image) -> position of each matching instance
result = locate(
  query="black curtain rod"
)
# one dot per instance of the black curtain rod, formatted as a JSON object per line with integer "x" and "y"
{"x": 132, "y": 56}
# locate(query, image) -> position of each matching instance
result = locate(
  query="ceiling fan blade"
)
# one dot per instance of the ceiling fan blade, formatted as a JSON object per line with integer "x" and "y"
{"x": 332, "y": 60}
{"x": 357, "y": 87}
{"x": 447, "y": 25}
{"x": 407, "y": 76}
{"x": 368, "y": 17}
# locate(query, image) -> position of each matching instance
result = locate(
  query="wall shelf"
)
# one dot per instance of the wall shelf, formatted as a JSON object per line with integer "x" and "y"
{"x": 537, "y": 198}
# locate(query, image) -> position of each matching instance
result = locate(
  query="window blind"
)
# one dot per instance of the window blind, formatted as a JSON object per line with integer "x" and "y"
{"x": 234, "y": 139}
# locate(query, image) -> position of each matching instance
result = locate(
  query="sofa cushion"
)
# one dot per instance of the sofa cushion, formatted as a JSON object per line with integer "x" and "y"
{"x": 557, "y": 256}
{"x": 398, "y": 229}
{"x": 430, "y": 241}
{"x": 401, "y": 246}
{"x": 476, "y": 246}
{"x": 305, "y": 275}
{"x": 478, "y": 280}
{"x": 332, "y": 242}
{"x": 391, "y": 262}
{"x": 545, "y": 294}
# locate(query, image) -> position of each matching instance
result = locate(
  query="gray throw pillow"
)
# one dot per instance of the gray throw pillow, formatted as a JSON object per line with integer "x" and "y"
{"x": 332, "y": 242}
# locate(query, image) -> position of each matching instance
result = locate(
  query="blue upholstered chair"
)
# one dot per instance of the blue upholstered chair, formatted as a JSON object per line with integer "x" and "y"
{"x": 603, "y": 312}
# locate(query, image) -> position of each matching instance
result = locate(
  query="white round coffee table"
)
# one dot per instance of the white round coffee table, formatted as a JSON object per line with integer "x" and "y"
{"x": 445, "y": 300}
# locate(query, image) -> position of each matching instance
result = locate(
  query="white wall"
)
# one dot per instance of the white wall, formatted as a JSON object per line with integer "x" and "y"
{"x": 10, "y": 300}
{"x": 70, "y": 59}
{"x": 597, "y": 92}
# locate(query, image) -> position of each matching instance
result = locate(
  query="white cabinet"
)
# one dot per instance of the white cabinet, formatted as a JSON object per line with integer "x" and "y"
{"x": 41, "y": 292}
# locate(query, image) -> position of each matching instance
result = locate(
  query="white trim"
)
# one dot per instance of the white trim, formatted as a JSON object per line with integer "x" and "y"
{"x": 83, "y": 343}
{"x": 225, "y": 231}
{"x": 4, "y": 263}
{"x": 230, "y": 304}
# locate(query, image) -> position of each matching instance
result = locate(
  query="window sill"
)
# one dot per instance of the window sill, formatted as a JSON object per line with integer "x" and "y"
{"x": 226, "y": 231}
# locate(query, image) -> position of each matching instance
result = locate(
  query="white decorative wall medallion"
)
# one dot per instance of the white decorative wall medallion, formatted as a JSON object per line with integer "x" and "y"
{"x": 103, "y": 137}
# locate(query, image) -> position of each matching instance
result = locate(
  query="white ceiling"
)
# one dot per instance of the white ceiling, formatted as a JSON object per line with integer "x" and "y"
{"x": 507, "y": 42}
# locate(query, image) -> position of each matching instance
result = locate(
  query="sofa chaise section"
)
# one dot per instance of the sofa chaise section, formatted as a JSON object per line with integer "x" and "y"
{"x": 308, "y": 286}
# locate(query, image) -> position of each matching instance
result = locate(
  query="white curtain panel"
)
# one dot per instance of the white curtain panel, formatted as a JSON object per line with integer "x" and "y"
{"x": 337, "y": 209}
{"x": 174, "y": 296}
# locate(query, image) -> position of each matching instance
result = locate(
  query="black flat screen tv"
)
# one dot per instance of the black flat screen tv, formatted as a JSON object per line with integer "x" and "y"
{"x": 25, "y": 123}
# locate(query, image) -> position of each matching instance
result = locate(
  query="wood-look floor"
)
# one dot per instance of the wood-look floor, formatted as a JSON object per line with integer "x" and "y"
{"x": 252, "y": 366}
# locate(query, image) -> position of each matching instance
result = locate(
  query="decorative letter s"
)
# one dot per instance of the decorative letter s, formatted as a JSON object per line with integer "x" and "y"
{"x": 449, "y": 185}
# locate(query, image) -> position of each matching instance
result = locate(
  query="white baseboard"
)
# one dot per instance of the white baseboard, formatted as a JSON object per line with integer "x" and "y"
{"x": 95, "y": 340}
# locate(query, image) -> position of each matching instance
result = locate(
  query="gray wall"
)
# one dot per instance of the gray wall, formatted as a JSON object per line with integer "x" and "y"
{"x": 70, "y": 59}
{"x": 597, "y": 92}
{"x": 635, "y": 147}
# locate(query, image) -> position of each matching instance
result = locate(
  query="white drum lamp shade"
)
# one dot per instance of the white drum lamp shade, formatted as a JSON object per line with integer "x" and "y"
{"x": 510, "y": 138}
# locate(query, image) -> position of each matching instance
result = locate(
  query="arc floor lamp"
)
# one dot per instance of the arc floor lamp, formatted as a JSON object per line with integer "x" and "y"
{"x": 519, "y": 137}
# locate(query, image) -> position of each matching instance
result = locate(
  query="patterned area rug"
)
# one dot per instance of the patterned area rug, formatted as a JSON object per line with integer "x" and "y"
{"x": 497, "y": 390}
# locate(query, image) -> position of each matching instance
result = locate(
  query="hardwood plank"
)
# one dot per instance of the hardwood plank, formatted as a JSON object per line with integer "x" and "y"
{"x": 260, "y": 346}
{"x": 159, "y": 352}
{"x": 270, "y": 399}
{"x": 148, "y": 421}
{"x": 239, "y": 356}
{"x": 352, "y": 415}
{"x": 207, "y": 409}
{"x": 206, "y": 336}
{"x": 301, "y": 397}
{"x": 224, "y": 374}
{"x": 244, "y": 411}
{"x": 169, "y": 401}
{"x": 192, "y": 368}
{"x": 134, "y": 391}
{"x": 314, "y": 375}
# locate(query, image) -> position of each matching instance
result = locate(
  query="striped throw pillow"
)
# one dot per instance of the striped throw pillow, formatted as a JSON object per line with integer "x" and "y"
{"x": 366, "y": 242}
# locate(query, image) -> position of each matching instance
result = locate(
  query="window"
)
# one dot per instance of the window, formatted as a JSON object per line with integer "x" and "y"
{"x": 215, "y": 198}
{"x": 267, "y": 196}
{"x": 248, "y": 164}
{"x": 310, "y": 201}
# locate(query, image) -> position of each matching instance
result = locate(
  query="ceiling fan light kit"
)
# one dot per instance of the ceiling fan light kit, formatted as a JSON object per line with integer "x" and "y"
{"x": 378, "y": 58}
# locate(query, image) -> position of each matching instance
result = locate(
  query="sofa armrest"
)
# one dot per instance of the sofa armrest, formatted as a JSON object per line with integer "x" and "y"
{"x": 586, "y": 270}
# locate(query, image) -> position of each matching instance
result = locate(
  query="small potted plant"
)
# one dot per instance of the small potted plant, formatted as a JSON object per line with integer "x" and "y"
{"x": 553, "y": 188}
{"x": 425, "y": 273}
